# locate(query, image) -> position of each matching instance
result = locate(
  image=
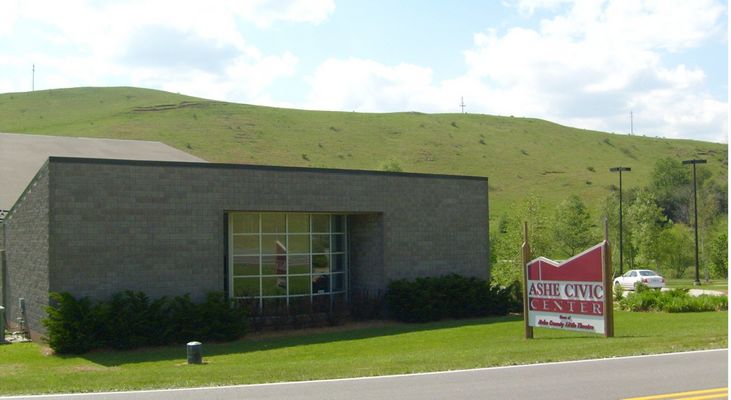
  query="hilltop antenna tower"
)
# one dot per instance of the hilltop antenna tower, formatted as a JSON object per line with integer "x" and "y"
{"x": 631, "y": 123}
{"x": 33, "y": 80}
{"x": 461, "y": 104}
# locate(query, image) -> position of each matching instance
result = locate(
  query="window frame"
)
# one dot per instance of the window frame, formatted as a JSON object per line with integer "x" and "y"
{"x": 328, "y": 252}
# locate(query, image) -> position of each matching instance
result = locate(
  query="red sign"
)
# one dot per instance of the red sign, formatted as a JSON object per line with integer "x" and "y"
{"x": 570, "y": 295}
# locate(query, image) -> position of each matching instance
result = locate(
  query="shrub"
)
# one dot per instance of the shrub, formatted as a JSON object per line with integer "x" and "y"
{"x": 73, "y": 325}
{"x": 391, "y": 165}
{"x": 412, "y": 302}
{"x": 130, "y": 319}
{"x": 219, "y": 321}
{"x": 677, "y": 300}
{"x": 515, "y": 296}
{"x": 449, "y": 296}
{"x": 641, "y": 300}
{"x": 505, "y": 272}
{"x": 507, "y": 299}
{"x": 181, "y": 325}
{"x": 696, "y": 304}
{"x": 365, "y": 305}
{"x": 618, "y": 292}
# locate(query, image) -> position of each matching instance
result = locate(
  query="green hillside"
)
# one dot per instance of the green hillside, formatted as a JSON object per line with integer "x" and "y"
{"x": 519, "y": 155}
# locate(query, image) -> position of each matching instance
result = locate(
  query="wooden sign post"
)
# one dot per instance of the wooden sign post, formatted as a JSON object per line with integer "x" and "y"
{"x": 526, "y": 258}
{"x": 608, "y": 286}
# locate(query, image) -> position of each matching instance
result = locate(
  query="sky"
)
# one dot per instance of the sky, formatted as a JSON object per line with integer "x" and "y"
{"x": 657, "y": 67}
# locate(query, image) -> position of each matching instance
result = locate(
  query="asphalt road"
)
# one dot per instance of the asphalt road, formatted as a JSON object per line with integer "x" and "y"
{"x": 614, "y": 378}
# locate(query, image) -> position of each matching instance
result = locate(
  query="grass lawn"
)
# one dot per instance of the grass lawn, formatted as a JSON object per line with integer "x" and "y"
{"x": 715, "y": 284}
{"x": 390, "y": 349}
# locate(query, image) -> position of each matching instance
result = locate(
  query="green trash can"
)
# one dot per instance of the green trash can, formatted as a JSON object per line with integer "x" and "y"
{"x": 195, "y": 354}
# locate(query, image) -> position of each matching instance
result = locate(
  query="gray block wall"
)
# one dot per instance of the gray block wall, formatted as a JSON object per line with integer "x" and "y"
{"x": 365, "y": 233}
{"x": 27, "y": 253}
{"x": 158, "y": 227}
{"x": 2, "y": 264}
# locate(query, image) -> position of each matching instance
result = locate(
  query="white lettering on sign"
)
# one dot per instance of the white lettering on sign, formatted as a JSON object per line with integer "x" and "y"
{"x": 566, "y": 290}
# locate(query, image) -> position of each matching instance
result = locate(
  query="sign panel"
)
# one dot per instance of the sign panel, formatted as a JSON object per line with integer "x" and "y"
{"x": 570, "y": 295}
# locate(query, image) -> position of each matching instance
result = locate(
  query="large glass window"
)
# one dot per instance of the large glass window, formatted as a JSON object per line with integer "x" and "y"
{"x": 287, "y": 258}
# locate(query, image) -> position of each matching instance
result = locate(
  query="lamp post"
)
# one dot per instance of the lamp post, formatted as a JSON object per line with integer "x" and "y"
{"x": 621, "y": 247}
{"x": 695, "y": 218}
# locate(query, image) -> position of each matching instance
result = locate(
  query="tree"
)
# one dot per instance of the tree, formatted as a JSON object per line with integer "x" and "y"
{"x": 670, "y": 183}
{"x": 719, "y": 255}
{"x": 509, "y": 238}
{"x": 533, "y": 211}
{"x": 646, "y": 221}
{"x": 610, "y": 210}
{"x": 713, "y": 197}
{"x": 712, "y": 210}
{"x": 573, "y": 229}
{"x": 675, "y": 249}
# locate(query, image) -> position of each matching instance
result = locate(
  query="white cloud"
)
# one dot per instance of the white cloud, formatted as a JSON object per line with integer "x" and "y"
{"x": 311, "y": 11}
{"x": 586, "y": 63}
{"x": 603, "y": 59}
{"x": 190, "y": 47}
{"x": 366, "y": 85}
{"x": 678, "y": 116}
{"x": 587, "y": 67}
{"x": 76, "y": 17}
{"x": 242, "y": 78}
{"x": 528, "y": 7}
{"x": 8, "y": 15}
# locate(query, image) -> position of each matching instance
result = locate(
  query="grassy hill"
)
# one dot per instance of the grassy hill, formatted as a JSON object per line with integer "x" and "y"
{"x": 521, "y": 156}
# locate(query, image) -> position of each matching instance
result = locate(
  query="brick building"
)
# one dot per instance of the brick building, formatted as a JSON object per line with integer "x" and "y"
{"x": 94, "y": 227}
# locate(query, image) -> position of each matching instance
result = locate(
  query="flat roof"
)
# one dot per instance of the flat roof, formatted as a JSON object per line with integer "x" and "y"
{"x": 22, "y": 155}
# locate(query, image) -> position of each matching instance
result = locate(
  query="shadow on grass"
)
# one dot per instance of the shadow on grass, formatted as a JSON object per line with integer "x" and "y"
{"x": 111, "y": 358}
{"x": 586, "y": 336}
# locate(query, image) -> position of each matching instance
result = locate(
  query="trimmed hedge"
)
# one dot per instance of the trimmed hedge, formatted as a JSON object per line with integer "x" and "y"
{"x": 74, "y": 326}
{"x": 677, "y": 300}
{"x": 448, "y": 296}
{"x": 130, "y": 319}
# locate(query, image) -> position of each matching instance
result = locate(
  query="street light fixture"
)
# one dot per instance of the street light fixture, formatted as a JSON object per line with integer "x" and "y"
{"x": 695, "y": 219}
{"x": 620, "y": 170}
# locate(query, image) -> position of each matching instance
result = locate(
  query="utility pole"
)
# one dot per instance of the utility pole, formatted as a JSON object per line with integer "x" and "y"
{"x": 621, "y": 247}
{"x": 695, "y": 219}
{"x": 33, "y": 81}
{"x": 461, "y": 104}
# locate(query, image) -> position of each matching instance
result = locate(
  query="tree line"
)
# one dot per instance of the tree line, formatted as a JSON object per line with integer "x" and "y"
{"x": 657, "y": 226}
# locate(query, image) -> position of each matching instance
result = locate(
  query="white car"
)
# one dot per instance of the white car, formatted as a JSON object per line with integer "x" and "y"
{"x": 645, "y": 276}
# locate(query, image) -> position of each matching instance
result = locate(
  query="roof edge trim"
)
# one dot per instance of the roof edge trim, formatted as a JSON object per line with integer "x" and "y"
{"x": 192, "y": 164}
